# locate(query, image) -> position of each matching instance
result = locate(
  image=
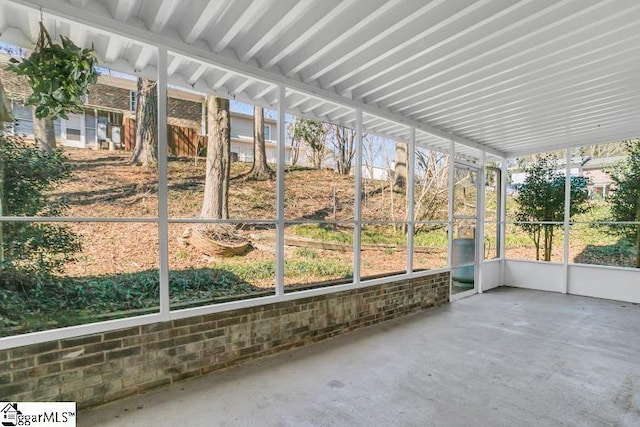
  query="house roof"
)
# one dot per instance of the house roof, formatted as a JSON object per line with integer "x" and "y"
{"x": 602, "y": 162}
{"x": 510, "y": 77}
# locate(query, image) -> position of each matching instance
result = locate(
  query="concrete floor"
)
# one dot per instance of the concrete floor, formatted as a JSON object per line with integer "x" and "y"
{"x": 510, "y": 357}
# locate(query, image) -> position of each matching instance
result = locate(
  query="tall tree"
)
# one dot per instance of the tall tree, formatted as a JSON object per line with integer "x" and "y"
{"x": 216, "y": 188}
{"x": 541, "y": 201}
{"x": 145, "y": 151}
{"x": 401, "y": 172}
{"x": 344, "y": 149}
{"x": 625, "y": 200}
{"x": 312, "y": 133}
{"x": 259, "y": 169}
{"x": 44, "y": 133}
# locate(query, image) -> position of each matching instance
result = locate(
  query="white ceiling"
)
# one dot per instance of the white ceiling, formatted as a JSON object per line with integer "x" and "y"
{"x": 508, "y": 76}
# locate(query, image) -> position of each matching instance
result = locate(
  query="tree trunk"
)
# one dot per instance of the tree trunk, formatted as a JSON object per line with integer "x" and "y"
{"x": 216, "y": 187}
{"x": 402, "y": 159}
{"x": 259, "y": 169}
{"x": 344, "y": 147}
{"x": 295, "y": 150}
{"x": 44, "y": 133}
{"x": 536, "y": 241}
{"x": 145, "y": 151}
{"x": 548, "y": 242}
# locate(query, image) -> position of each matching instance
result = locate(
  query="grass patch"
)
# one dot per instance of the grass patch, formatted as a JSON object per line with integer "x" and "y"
{"x": 324, "y": 232}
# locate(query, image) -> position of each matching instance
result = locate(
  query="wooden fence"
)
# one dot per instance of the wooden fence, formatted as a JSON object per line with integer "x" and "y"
{"x": 182, "y": 141}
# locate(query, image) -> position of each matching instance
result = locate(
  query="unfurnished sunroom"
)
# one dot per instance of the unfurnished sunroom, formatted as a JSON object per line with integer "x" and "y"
{"x": 426, "y": 151}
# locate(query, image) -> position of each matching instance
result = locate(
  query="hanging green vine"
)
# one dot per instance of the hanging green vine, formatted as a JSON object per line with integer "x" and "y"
{"x": 59, "y": 75}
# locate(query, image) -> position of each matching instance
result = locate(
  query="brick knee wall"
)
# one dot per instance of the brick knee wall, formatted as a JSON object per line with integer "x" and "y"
{"x": 94, "y": 369}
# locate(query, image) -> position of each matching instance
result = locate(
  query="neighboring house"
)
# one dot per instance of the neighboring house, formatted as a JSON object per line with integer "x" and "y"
{"x": 518, "y": 175}
{"x": 111, "y": 103}
{"x": 595, "y": 170}
{"x": 376, "y": 173}
{"x": 599, "y": 182}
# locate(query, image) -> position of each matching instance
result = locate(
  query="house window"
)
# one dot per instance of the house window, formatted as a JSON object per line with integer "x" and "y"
{"x": 267, "y": 132}
{"x": 133, "y": 100}
{"x": 23, "y": 117}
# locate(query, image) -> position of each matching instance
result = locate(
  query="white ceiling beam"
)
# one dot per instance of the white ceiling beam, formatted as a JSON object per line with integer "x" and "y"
{"x": 277, "y": 29}
{"x": 610, "y": 42}
{"x": 249, "y": 17}
{"x": 555, "y": 117}
{"x": 222, "y": 80}
{"x": 79, "y": 3}
{"x": 432, "y": 46}
{"x": 121, "y": 10}
{"x": 493, "y": 43}
{"x": 193, "y": 27}
{"x": 301, "y": 100}
{"x": 398, "y": 24}
{"x": 620, "y": 134}
{"x": 324, "y": 47}
{"x": 33, "y": 27}
{"x": 583, "y": 137}
{"x": 599, "y": 122}
{"x": 312, "y": 105}
{"x": 292, "y": 42}
{"x": 332, "y": 108}
{"x": 174, "y": 64}
{"x": 144, "y": 58}
{"x": 160, "y": 13}
{"x": 264, "y": 92}
{"x": 195, "y": 76}
{"x": 242, "y": 86}
{"x": 519, "y": 45}
{"x": 590, "y": 115}
{"x": 66, "y": 12}
{"x": 113, "y": 50}
{"x": 550, "y": 102}
{"x": 337, "y": 117}
{"x": 500, "y": 100}
{"x": 78, "y": 34}
{"x": 539, "y": 81}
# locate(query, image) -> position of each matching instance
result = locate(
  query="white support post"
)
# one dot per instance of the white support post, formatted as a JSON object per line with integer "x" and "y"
{"x": 503, "y": 217}
{"x": 452, "y": 168}
{"x": 280, "y": 193}
{"x": 567, "y": 218}
{"x": 357, "y": 208}
{"x": 410, "y": 198}
{"x": 163, "y": 210}
{"x": 479, "y": 235}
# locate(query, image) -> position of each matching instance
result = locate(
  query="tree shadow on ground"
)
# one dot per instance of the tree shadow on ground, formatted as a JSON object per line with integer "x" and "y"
{"x": 88, "y": 164}
{"x": 620, "y": 254}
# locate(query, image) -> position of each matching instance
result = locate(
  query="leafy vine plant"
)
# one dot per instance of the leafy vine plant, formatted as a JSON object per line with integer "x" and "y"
{"x": 59, "y": 75}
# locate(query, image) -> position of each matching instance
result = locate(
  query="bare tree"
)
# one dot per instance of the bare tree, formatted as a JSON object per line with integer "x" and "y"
{"x": 371, "y": 150}
{"x": 400, "y": 169}
{"x": 216, "y": 188}
{"x": 343, "y": 142}
{"x": 259, "y": 169}
{"x": 431, "y": 186}
{"x": 44, "y": 133}
{"x": 145, "y": 151}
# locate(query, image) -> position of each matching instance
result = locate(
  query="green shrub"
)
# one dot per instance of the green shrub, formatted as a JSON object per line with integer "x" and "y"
{"x": 30, "y": 251}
